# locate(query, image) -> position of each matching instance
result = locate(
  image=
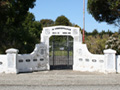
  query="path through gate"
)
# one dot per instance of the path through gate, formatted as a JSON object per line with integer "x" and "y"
{"x": 61, "y": 52}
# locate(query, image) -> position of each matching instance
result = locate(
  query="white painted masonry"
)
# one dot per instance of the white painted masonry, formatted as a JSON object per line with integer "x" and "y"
{"x": 3, "y": 63}
{"x": 12, "y": 55}
{"x": 34, "y": 61}
{"x": 118, "y": 63}
{"x": 38, "y": 60}
{"x": 110, "y": 58}
{"x": 61, "y": 31}
{"x": 85, "y": 61}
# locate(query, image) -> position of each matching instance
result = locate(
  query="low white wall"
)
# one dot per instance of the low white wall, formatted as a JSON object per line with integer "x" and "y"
{"x": 3, "y": 63}
{"x": 118, "y": 63}
{"x": 90, "y": 63}
{"x": 85, "y": 61}
{"x": 34, "y": 61}
{"x": 26, "y": 63}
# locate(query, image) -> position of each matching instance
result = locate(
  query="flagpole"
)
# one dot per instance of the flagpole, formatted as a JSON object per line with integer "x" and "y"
{"x": 83, "y": 21}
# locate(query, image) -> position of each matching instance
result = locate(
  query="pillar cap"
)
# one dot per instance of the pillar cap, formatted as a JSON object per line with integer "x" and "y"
{"x": 109, "y": 51}
{"x": 12, "y": 50}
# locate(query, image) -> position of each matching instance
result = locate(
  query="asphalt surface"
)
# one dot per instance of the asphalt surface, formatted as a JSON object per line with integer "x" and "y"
{"x": 60, "y": 80}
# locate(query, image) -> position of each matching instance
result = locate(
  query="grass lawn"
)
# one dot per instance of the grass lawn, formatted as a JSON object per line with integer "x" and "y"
{"x": 61, "y": 53}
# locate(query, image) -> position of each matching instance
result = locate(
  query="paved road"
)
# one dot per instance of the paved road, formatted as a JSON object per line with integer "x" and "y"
{"x": 60, "y": 80}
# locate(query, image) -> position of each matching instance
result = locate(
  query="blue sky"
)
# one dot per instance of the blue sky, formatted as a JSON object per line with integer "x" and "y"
{"x": 72, "y": 9}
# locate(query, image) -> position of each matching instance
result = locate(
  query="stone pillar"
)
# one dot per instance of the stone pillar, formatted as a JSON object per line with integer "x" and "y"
{"x": 110, "y": 61}
{"x": 11, "y": 66}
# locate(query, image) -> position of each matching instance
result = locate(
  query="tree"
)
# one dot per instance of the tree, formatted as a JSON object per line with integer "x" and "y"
{"x": 30, "y": 34}
{"x": 3, "y": 9}
{"x": 75, "y": 25}
{"x": 113, "y": 42}
{"x": 96, "y": 45}
{"x": 15, "y": 10}
{"x": 46, "y": 22}
{"x": 37, "y": 29}
{"x": 95, "y": 32}
{"x": 12, "y": 15}
{"x": 109, "y": 32}
{"x": 62, "y": 20}
{"x": 105, "y": 11}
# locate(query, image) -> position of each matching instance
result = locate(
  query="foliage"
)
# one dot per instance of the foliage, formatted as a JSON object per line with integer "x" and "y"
{"x": 13, "y": 14}
{"x": 20, "y": 30}
{"x": 4, "y": 5}
{"x": 31, "y": 30}
{"x": 24, "y": 37}
{"x": 62, "y": 20}
{"x": 76, "y": 26}
{"x": 14, "y": 11}
{"x": 105, "y": 11}
{"x": 95, "y": 32}
{"x": 95, "y": 43}
{"x": 113, "y": 42}
{"x": 46, "y": 22}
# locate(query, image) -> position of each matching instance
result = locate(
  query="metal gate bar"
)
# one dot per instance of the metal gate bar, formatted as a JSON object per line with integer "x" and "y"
{"x": 61, "y": 54}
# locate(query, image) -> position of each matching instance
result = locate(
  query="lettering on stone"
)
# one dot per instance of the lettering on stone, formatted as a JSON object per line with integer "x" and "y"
{"x": 80, "y": 59}
{"x": 34, "y": 60}
{"x": 87, "y": 60}
{"x": 62, "y": 28}
{"x": 41, "y": 59}
{"x": 27, "y": 60}
{"x": 101, "y": 61}
{"x": 94, "y": 60}
{"x": 20, "y": 60}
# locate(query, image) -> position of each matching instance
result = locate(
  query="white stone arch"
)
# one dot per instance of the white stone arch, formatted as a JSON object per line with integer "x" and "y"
{"x": 47, "y": 32}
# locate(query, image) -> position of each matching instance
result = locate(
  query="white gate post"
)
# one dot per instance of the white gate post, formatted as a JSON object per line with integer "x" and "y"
{"x": 11, "y": 61}
{"x": 110, "y": 60}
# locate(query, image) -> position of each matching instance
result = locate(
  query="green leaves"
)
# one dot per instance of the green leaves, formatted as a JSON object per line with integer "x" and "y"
{"x": 62, "y": 20}
{"x": 113, "y": 42}
{"x": 105, "y": 10}
{"x": 30, "y": 33}
{"x": 46, "y": 22}
{"x": 96, "y": 43}
{"x": 14, "y": 32}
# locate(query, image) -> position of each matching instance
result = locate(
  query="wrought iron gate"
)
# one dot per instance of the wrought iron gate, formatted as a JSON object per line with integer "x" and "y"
{"x": 61, "y": 52}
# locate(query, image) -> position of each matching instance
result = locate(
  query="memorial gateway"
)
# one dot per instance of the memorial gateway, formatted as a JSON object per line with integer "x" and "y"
{"x": 75, "y": 55}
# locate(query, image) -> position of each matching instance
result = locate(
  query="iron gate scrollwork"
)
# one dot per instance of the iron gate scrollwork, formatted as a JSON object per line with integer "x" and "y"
{"x": 61, "y": 52}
